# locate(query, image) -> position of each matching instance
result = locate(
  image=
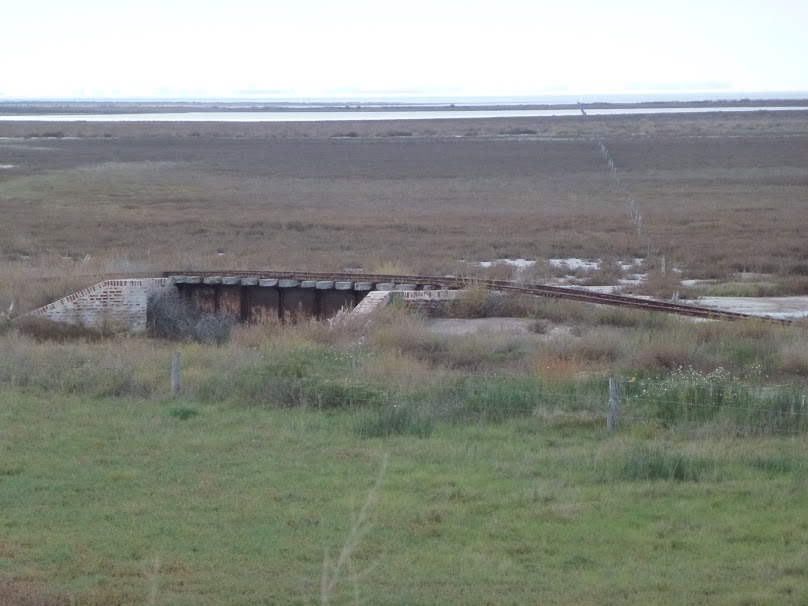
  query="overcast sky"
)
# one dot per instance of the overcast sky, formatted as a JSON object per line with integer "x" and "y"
{"x": 361, "y": 48}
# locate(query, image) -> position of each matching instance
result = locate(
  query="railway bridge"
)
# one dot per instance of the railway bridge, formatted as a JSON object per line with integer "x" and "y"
{"x": 259, "y": 296}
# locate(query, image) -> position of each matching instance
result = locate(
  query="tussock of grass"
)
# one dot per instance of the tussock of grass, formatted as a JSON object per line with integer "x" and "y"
{"x": 777, "y": 464}
{"x": 688, "y": 397}
{"x": 395, "y": 420}
{"x": 475, "y": 302}
{"x": 651, "y": 462}
{"x": 183, "y": 412}
{"x": 44, "y": 330}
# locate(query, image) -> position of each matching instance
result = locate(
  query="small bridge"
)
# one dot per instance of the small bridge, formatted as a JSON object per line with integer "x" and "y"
{"x": 260, "y": 296}
{"x": 240, "y": 292}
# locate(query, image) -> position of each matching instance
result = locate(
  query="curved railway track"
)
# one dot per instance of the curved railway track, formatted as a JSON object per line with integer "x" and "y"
{"x": 541, "y": 290}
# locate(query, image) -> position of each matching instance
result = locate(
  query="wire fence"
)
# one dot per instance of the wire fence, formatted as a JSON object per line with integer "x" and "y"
{"x": 396, "y": 397}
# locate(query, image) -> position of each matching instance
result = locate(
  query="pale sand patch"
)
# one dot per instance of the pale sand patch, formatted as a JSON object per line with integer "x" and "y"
{"x": 774, "y": 307}
{"x": 456, "y": 326}
{"x": 491, "y": 326}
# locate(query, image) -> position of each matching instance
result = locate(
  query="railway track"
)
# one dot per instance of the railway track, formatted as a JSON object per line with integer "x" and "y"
{"x": 541, "y": 290}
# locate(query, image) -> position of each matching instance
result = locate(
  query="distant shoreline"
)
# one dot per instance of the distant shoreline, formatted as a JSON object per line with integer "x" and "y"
{"x": 34, "y": 107}
{"x": 679, "y": 124}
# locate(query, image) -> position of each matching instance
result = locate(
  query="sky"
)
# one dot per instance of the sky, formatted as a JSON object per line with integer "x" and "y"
{"x": 367, "y": 48}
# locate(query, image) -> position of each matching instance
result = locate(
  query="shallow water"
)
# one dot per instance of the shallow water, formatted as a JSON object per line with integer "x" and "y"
{"x": 331, "y": 116}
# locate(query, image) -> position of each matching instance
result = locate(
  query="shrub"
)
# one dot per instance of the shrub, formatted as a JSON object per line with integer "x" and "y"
{"x": 519, "y": 130}
{"x": 183, "y": 412}
{"x": 776, "y": 464}
{"x": 558, "y": 311}
{"x": 540, "y": 327}
{"x": 600, "y": 346}
{"x": 395, "y": 420}
{"x": 661, "y": 355}
{"x": 688, "y": 396}
{"x": 475, "y": 302}
{"x": 213, "y": 329}
{"x": 794, "y": 363}
{"x": 799, "y": 269}
{"x": 650, "y": 462}
{"x": 608, "y": 273}
{"x": 489, "y": 399}
{"x": 313, "y": 377}
{"x": 171, "y": 317}
{"x": 44, "y": 330}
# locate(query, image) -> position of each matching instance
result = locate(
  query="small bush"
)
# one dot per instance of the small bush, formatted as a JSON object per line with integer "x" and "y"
{"x": 645, "y": 462}
{"x": 600, "y": 346}
{"x": 213, "y": 329}
{"x": 777, "y": 464}
{"x": 660, "y": 285}
{"x": 43, "y": 330}
{"x": 396, "y": 420}
{"x": 475, "y": 302}
{"x": 658, "y": 355}
{"x": 518, "y": 130}
{"x": 795, "y": 286}
{"x": 607, "y": 273}
{"x": 540, "y": 327}
{"x": 490, "y": 399}
{"x": 312, "y": 377}
{"x": 687, "y": 396}
{"x": 5, "y": 325}
{"x": 171, "y": 317}
{"x": 619, "y": 317}
{"x": 183, "y": 412}
{"x": 560, "y": 312}
{"x": 794, "y": 363}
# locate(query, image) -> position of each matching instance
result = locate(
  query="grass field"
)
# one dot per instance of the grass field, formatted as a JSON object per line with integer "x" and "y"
{"x": 128, "y": 502}
{"x": 389, "y": 463}
{"x": 502, "y": 485}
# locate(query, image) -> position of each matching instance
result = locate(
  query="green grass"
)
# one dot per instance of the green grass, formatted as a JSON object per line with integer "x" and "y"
{"x": 237, "y": 505}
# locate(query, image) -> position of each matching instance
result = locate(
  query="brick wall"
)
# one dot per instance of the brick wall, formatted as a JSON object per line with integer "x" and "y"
{"x": 120, "y": 303}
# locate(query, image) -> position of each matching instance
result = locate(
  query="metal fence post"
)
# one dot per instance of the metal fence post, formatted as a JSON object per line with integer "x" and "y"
{"x": 175, "y": 374}
{"x": 614, "y": 403}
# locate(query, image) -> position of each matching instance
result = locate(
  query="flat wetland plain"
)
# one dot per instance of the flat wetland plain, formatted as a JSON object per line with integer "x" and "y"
{"x": 501, "y": 483}
{"x": 717, "y": 193}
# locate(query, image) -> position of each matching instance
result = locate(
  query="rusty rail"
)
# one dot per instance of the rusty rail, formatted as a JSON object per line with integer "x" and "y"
{"x": 541, "y": 290}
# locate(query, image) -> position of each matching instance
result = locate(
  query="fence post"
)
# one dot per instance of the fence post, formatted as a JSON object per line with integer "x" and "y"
{"x": 614, "y": 403}
{"x": 175, "y": 374}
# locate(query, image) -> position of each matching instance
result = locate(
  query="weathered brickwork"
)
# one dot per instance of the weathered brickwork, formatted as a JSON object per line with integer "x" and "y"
{"x": 120, "y": 303}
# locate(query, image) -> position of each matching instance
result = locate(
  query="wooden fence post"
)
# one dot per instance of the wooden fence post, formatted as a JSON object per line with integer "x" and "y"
{"x": 614, "y": 403}
{"x": 175, "y": 374}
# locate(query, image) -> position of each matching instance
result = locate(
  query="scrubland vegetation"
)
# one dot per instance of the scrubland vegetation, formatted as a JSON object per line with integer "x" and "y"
{"x": 503, "y": 485}
{"x": 265, "y": 481}
{"x": 719, "y": 196}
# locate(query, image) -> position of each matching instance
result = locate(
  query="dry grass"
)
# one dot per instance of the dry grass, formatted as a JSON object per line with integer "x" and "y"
{"x": 27, "y": 593}
{"x": 718, "y": 194}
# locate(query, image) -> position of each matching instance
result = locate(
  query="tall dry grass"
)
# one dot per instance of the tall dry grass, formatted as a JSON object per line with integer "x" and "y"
{"x": 428, "y": 204}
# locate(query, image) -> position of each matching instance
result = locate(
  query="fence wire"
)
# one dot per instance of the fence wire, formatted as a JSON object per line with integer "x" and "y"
{"x": 342, "y": 381}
